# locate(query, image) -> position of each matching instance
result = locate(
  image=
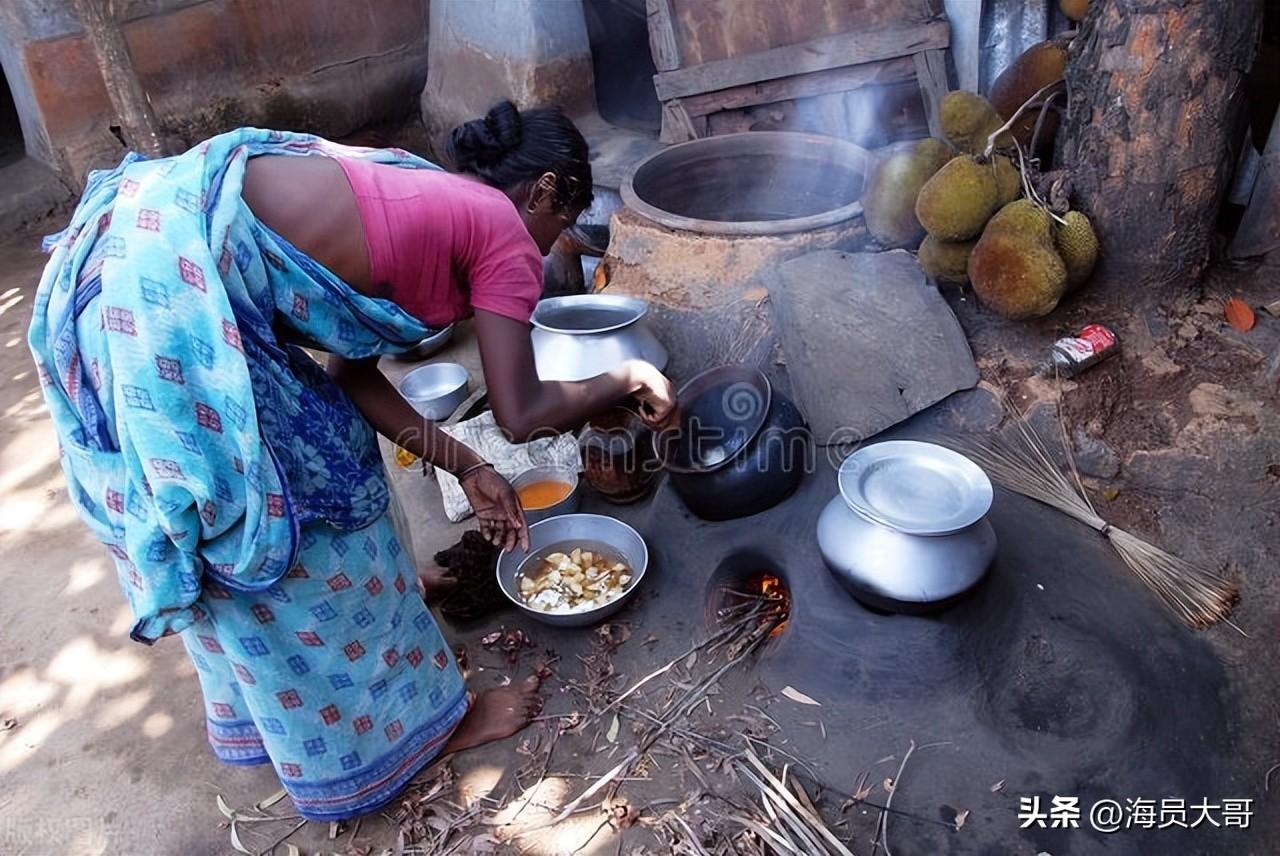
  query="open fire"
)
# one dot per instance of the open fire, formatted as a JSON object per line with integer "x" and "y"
{"x": 761, "y": 601}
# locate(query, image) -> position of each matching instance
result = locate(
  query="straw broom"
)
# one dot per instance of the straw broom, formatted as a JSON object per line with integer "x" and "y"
{"x": 1199, "y": 596}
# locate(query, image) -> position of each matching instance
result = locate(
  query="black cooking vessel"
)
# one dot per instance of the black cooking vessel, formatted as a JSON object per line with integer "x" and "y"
{"x": 739, "y": 448}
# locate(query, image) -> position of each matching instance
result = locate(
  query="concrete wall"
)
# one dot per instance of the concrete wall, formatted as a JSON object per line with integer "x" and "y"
{"x": 328, "y": 66}
{"x": 530, "y": 51}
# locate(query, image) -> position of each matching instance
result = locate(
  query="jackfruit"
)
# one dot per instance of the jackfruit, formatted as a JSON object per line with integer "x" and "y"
{"x": 968, "y": 120}
{"x": 958, "y": 200}
{"x": 945, "y": 261}
{"x": 1075, "y": 9}
{"x": 1015, "y": 268}
{"x": 889, "y": 202}
{"x": 1008, "y": 180}
{"x": 1078, "y": 247}
{"x": 1040, "y": 65}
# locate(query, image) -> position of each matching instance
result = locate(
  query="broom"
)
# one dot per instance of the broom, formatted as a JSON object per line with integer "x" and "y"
{"x": 1199, "y": 596}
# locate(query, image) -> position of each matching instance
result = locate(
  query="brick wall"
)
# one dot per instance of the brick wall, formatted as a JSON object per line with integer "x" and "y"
{"x": 327, "y": 66}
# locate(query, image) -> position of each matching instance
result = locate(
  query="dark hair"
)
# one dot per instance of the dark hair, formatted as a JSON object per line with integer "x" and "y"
{"x": 508, "y": 148}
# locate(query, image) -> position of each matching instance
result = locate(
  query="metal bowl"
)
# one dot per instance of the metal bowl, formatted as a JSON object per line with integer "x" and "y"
{"x": 435, "y": 390}
{"x": 550, "y": 472}
{"x": 584, "y": 335}
{"x": 576, "y": 528}
{"x": 429, "y": 346}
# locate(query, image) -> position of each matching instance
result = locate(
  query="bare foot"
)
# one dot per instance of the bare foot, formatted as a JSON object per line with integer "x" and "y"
{"x": 436, "y": 583}
{"x": 497, "y": 714}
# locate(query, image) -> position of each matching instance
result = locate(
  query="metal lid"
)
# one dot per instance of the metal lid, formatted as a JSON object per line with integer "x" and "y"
{"x": 915, "y": 488}
{"x": 721, "y": 411}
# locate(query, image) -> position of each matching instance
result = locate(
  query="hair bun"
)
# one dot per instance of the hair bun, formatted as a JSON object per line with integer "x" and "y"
{"x": 484, "y": 142}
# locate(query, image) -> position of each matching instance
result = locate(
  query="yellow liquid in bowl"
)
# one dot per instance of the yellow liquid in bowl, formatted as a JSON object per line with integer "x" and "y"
{"x": 543, "y": 494}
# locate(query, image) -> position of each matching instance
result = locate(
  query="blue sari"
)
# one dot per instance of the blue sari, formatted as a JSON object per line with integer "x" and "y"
{"x": 239, "y": 492}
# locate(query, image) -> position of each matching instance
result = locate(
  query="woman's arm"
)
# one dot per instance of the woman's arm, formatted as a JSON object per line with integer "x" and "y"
{"x": 492, "y": 499}
{"x": 394, "y": 418}
{"x": 525, "y": 406}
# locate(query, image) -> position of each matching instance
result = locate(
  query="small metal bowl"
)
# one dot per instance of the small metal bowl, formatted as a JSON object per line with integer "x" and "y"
{"x": 436, "y": 390}
{"x": 550, "y": 472}
{"x": 571, "y": 528}
{"x": 428, "y": 347}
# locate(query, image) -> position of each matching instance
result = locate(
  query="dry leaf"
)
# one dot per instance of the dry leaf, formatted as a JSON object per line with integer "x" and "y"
{"x": 998, "y": 786}
{"x": 1273, "y": 307}
{"x": 651, "y": 639}
{"x": 862, "y": 793}
{"x": 691, "y": 660}
{"x": 612, "y": 735}
{"x": 799, "y": 697}
{"x": 1239, "y": 315}
{"x": 1110, "y": 493}
{"x": 961, "y": 818}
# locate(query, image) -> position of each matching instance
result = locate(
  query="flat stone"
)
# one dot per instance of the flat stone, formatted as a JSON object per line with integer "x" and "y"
{"x": 1094, "y": 457}
{"x": 867, "y": 341}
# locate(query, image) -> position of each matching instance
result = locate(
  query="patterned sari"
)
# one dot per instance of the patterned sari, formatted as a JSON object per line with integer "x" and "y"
{"x": 239, "y": 492}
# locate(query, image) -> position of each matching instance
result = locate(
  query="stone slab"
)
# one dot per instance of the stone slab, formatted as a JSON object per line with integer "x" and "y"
{"x": 867, "y": 341}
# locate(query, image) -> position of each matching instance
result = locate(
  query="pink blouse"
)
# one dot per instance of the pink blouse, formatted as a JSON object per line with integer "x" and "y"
{"x": 443, "y": 245}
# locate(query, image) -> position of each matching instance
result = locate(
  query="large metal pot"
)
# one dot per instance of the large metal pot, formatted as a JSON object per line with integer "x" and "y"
{"x": 583, "y": 335}
{"x": 908, "y": 531}
{"x": 740, "y": 447}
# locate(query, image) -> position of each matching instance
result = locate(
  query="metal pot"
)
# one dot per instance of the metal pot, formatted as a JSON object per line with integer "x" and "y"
{"x": 740, "y": 447}
{"x": 583, "y": 335}
{"x": 908, "y": 531}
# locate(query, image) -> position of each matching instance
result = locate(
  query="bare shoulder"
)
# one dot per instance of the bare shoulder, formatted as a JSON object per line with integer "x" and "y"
{"x": 309, "y": 202}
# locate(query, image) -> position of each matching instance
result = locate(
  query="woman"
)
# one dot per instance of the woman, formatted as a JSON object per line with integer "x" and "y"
{"x": 238, "y": 487}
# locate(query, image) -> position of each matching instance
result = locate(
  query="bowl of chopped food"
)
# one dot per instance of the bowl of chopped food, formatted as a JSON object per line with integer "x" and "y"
{"x": 580, "y": 569}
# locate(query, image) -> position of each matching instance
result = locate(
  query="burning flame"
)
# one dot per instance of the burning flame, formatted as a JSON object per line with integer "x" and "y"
{"x": 774, "y": 589}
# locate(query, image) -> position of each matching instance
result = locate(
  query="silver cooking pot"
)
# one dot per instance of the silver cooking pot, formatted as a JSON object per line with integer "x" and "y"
{"x": 908, "y": 531}
{"x": 583, "y": 335}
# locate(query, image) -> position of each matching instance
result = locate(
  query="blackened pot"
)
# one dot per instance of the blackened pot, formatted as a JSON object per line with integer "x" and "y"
{"x": 741, "y": 447}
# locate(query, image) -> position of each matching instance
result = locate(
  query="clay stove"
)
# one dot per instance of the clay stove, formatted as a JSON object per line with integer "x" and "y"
{"x": 703, "y": 218}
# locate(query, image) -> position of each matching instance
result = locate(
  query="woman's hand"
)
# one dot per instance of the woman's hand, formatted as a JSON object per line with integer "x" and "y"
{"x": 497, "y": 508}
{"x": 654, "y": 391}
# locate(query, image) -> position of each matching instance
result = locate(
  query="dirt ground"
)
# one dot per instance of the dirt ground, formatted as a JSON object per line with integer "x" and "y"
{"x": 103, "y": 748}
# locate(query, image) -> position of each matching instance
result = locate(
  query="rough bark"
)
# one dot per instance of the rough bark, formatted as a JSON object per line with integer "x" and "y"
{"x": 1156, "y": 90}
{"x": 129, "y": 99}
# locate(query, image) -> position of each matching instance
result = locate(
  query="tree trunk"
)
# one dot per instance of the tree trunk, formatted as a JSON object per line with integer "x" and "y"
{"x": 123, "y": 87}
{"x": 1156, "y": 96}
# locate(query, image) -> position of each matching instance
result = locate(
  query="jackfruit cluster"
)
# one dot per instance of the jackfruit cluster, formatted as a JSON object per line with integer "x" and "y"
{"x": 1076, "y": 10}
{"x": 954, "y": 207}
{"x": 1037, "y": 67}
{"x": 889, "y": 202}
{"x": 1026, "y": 260}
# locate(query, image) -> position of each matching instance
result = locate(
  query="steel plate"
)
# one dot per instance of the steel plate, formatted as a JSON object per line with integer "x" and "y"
{"x": 915, "y": 488}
